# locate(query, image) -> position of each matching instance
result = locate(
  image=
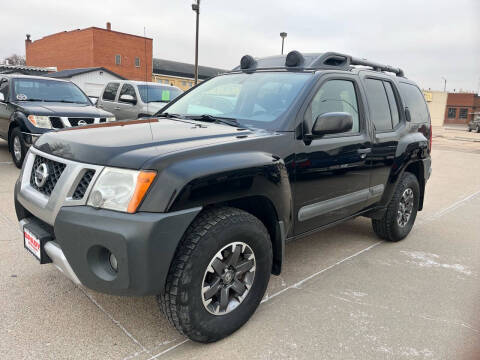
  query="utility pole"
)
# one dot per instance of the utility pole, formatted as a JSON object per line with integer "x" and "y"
{"x": 283, "y": 35}
{"x": 196, "y": 8}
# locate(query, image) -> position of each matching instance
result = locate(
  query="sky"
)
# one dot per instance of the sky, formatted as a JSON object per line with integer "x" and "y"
{"x": 429, "y": 39}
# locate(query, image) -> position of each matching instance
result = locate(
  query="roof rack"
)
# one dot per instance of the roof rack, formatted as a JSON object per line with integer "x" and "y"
{"x": 296, "y": 60}
{"x": 376, "y": 66}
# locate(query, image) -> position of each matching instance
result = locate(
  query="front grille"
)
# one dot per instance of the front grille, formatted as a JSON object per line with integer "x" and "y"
{"x": 75, "y": 121}
{"x": 83, "y": 185}
{"x": 56, "y": 122}
{"x": 55, "y": 170}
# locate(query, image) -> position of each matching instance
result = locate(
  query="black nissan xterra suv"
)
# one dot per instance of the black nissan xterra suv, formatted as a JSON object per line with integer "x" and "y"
{"x": 33, "y": 105}
{"x": 195, "y": 204}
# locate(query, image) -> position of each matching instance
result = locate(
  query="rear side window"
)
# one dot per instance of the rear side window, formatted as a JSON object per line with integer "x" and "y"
{"x": 415, "y": 102}
{"x": 110, "y": 91}
{"x": 378, "y": 105}
{"x": 393, "y": 104}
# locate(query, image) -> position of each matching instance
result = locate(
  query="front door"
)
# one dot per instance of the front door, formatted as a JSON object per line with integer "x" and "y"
{"x": 331, "y": 173}
{"x": 127, "y": 110}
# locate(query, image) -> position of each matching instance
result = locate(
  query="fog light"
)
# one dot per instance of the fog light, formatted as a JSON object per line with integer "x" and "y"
{"x": 113, "y": 262}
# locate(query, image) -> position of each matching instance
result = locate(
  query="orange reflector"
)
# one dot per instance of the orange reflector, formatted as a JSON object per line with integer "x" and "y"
{"x": 31, "y": 118}
{"x": 144, "y": 180}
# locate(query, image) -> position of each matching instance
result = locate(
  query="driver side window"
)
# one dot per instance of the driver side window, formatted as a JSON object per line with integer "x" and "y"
{"x": 4, "y": 88}
{"x": 334, "y": 96}
{"x": 127, "y": 89}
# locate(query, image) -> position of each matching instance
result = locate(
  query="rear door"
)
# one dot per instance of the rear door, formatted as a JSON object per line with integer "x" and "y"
{"x": 331, "y": 173}
{"x": 125, "y": 109}
{"x": 5, "y": 109}
{"x": 107, "y": 99}
{"x": 384, "y": 104}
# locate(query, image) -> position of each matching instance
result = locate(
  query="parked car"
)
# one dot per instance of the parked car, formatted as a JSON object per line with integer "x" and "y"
{"x": 135, "y": 99}
{"x": 474, "y": 124}
{"x": 31, "y": 106}
{"x": 196, "y": 204}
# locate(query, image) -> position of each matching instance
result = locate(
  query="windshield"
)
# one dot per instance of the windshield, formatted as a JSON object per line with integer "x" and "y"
{"x": 256, "y": 99}
{"x": 157, "y": 93}
{"x": 48, "y": 90}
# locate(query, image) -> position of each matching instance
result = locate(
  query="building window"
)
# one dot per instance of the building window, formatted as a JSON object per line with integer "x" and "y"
{"x": 118, "y": 60}
{"x": 463, "y": 113}
{"x": 452, "y": 113}
{"x": 137, "y": 62}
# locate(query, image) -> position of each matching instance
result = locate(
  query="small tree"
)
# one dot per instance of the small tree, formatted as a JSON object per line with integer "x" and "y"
{"x": 16, "y": 59}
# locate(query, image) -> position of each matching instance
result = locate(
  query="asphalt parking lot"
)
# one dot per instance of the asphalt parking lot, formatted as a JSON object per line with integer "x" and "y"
{"x": 343, "y": 293}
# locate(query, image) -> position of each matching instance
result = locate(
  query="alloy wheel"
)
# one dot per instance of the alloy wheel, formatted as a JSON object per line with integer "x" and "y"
{"x": 228, "y": 278}
{"x": 405, "y": 207}
{"x": 17, "y": 148}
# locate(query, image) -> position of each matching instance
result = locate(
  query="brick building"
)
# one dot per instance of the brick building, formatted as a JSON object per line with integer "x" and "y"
{"x": 461, "y": 107}
{"x": 129, "y": 56}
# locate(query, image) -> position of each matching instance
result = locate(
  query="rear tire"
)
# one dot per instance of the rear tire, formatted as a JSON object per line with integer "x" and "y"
{"x": 17, "y": 147}
{"x": 398, "y": 220}
{"x": 195, "y": 268}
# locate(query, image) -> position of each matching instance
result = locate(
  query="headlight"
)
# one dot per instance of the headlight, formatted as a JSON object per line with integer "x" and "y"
{"x": 120, "y": 189}
{"x": 40, "y": 121}
{"x": 110, "y": 119}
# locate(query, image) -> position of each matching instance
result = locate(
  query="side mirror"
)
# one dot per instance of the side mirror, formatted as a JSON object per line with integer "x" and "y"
{"x": 2, "y": 97}
{"x": 408, "y": 116}
{"x": 128, "y": 99}
{"x": 332, "y": 123}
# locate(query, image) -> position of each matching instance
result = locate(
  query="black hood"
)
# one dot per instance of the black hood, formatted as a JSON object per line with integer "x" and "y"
{"x": 130, "y": 144}
{"x": 61, "y": 109}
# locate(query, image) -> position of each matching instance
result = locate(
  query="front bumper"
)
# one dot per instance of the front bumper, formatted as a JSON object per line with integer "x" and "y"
{"x": 144, "y": 245}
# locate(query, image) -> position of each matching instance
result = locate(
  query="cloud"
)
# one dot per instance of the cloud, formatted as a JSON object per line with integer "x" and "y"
{"x": 428, "y": 39}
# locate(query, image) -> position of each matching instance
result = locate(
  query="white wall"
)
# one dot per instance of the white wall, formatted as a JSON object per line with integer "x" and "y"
{"x": 437, "y": 103}
{"x": 93, "y": 82}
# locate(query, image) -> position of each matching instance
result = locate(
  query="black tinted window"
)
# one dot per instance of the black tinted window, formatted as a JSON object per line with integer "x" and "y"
{"x": 334, "y": 96}
{"x": 127, "y": 89}
{"x": 393, "y": 104}
{"x": 110, "y": 91}
{"x": 452, "y": 113}
{"x": 378, "y": 105}
{"x": 415, "y": 102}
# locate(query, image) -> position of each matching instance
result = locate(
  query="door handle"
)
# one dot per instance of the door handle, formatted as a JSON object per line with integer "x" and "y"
{"x": 117, "y": 108}
{"x": 363, "y": 152}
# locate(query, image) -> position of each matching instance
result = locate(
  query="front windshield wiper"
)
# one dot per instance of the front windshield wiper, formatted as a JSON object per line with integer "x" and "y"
{"x": 65, "y": 101}
{"x": 31, "y": 100}
{"x": 215, "y": 119}
{"x": 169, "y": 116}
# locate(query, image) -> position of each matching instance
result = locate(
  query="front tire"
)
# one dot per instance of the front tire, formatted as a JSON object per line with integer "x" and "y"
{"x": 219, "y": 274}
{"x": 17, "y": 147}
{"x": 398, "y": 220}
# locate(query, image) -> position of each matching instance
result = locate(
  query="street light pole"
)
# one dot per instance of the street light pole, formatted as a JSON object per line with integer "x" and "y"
{"x": 444, "y": 84}
{"x": 283, "y": 35}
{"x": 196, "y": 8}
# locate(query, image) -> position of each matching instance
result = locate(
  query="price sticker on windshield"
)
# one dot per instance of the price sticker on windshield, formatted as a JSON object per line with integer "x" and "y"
{"x": 165, "y": 95}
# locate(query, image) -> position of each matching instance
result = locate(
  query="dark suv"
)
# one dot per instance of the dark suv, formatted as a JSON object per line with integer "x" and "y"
{"x": 475, "y": 123}
{"x": 31, "y": 106}
{"x": 196, "y": 204}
